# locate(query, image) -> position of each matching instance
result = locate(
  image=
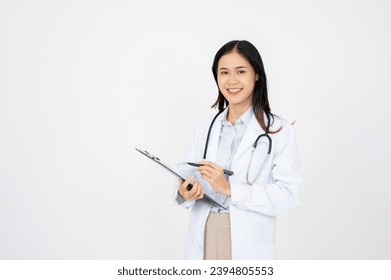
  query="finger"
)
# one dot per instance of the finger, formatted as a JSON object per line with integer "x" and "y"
{"x": 194, "y": 191}
{"x": 210, "y": 179}
{"x": 206, "y": 162}
{"x": 208, "y": 170}
{"x": 182, "y": 188}
{"x": 186, "y": 182}
{"x": 183, "y": 191}
{"x": 212, "y": 167}
{"x": 180, "y": 183}
{"x": 205, "y": 170}
{"x": 197, "y": 191}
{"x": 210, "y": 163}
{"x": 200, "y": 191}
{"x": 211, "y": 174}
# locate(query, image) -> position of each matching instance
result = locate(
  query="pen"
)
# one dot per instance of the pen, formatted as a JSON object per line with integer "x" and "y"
{"x": 228, "y": 172}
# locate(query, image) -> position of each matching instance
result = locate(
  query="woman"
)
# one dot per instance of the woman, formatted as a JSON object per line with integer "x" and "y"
{"x": 242, "y": 224}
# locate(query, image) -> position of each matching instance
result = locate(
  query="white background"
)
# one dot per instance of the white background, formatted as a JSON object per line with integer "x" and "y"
{"x": 84, "y": 82}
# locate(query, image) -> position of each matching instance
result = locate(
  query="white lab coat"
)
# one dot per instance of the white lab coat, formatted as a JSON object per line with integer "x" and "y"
{"x": 253, "y": 208}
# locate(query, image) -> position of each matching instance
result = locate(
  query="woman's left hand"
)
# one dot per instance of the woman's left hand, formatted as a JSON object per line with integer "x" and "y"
{"x": 215, "y": 176}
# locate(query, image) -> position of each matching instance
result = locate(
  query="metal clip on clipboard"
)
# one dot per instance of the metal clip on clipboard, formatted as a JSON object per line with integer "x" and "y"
{"x": 189, "y": 187}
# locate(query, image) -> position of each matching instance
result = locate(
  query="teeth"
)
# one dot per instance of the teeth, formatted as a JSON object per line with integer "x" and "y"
{"x": 233, "y": 89}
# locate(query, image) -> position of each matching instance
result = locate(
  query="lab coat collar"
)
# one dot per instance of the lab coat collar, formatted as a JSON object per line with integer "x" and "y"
{"x": 245, "y": 118}
{"x": 215, "y": 136}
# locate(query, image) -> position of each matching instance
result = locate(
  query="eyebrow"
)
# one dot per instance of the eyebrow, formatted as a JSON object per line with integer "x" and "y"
{"x": 238, "y": 67}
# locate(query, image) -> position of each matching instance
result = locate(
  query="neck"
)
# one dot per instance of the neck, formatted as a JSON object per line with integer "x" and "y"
{"x": 235, "y": 112}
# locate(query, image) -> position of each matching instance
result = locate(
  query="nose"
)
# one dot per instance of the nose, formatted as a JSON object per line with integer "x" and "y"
{"x": 232, "y": 79}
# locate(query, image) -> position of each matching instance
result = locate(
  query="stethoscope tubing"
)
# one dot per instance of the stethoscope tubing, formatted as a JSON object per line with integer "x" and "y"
{"x": 252, "y": 152}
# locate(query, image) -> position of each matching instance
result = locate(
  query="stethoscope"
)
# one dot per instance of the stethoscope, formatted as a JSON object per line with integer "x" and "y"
{"x": 266, "y": 135}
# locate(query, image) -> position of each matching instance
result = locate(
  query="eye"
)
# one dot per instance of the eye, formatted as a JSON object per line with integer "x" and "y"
{"x": 224, "y": 73}
{"x": 241, "y": 72}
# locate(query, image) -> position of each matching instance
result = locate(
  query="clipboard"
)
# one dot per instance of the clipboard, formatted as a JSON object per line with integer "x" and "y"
{"x": 162, "y": 164}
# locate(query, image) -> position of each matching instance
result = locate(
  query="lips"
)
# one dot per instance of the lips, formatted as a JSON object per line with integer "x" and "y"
{"x": 233, "y": 91}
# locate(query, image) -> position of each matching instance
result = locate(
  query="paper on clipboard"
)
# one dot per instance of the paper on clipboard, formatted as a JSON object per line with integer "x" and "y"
{"x": 166, "y": 167}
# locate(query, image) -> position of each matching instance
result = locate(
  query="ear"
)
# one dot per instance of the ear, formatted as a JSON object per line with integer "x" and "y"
{"x": 256, "y": 77}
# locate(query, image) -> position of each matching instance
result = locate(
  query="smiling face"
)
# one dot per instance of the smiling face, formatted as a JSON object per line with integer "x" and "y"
{"x": 236, "y": 79}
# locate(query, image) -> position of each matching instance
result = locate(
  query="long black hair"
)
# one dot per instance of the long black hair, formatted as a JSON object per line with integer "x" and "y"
{"x": 260, "y": 99}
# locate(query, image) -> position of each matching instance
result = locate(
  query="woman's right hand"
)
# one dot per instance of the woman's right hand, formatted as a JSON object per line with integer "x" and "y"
{"x": 197, "y": 192}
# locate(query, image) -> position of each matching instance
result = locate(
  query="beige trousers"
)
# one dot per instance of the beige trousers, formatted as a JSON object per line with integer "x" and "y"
{"x": 217, "y": 241}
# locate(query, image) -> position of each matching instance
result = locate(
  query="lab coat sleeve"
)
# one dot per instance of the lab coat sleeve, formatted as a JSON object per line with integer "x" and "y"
{"x": 178, "y": 200}
{"x": 280, "y": 193}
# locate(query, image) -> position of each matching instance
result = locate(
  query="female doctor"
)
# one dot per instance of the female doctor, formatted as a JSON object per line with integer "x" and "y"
{"x": 260, "y": 149}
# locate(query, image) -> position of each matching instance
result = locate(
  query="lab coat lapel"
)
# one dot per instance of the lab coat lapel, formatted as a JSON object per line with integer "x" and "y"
{"x": 211, "y": 155}
{"x": 251, "y": 134}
